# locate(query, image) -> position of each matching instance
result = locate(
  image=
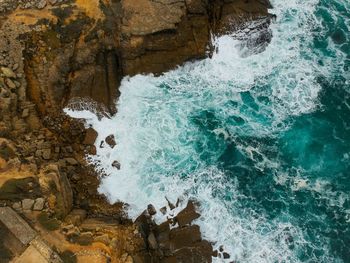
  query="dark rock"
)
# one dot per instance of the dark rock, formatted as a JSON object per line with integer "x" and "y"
{"x": 184, "y": 237}
{"x": 116, "y": 164}
{"x": 187, "y": 215}
{"x": 152, "y": 242}
{"x": 170, "y": 204}
{"x": 199, "y": 252}
{"x": 151, "y": 210}
{"x": 90, "y": 136}
{"x": 163, "y": 210}
{"x": 110, "y": 140}
{"x": 226, "y": 255}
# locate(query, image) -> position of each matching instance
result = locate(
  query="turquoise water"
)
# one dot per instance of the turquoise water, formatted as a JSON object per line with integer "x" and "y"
{"x": 262, "y": 141}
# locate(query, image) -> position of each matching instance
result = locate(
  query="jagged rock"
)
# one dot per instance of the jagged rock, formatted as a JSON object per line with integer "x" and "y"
{"x": 27, "y": 204}
{"x": 90, "y": 136}
{"x": 151, "y": 210}
{"x": 110, "y": 140}
{"x": 226, "y": 255}
{"x": 183, "y": 237}
{"x": 187, "y": 215}
{"x": 116, "y": 164}
{"x": 163, "y": 210}
{"x": 56, "y": 185}
{"x": 39, "y": 204}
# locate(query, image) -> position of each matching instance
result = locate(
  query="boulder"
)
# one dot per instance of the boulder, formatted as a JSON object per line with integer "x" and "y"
{"x": 110, "y": 140}
{"x": 27, "y": 204}
{"x": 184, "y": 237}
{"x": 187, "y": 215}
{"x": 116, "y": 164}
{"x": 39, "y": 204}
{"x": 90, "y": 136}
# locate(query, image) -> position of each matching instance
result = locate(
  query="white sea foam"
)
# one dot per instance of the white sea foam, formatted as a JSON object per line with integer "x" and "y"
{"x": 156, "y": 138}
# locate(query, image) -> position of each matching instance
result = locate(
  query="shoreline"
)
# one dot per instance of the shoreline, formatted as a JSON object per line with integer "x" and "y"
{"x": 54, "y": 53}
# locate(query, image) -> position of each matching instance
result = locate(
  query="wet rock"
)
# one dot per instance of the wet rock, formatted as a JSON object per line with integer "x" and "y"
{"x": 27, "y": 204}
{"x": 151, "y": 210}
{"x": 39, "y": 204}
{"x": 184, "y": 237}
{"x": 170, "y": 204}
{"x": 163, "y": 210}
{"x": 116, "y": 164}
{"x": 187, "y": 215}
{"x": 226, "y": 255}
{"x": 110, "y": 140}
{"x": 90, "y": 136}
{"x": 55, "y": 184}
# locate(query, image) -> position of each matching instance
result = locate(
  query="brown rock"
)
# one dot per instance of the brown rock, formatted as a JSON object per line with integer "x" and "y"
{"x": 187, "y": 215}
{"x": 76, "y": 217}
{"x": 90, "y": 136}
{"x": 184, "y": 237}
{"x": 226, "y": 255}
{"x": 110, "y": 140}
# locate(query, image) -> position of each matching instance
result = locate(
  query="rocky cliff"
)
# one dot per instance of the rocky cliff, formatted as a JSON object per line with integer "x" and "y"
{"x": 59, "y": 52}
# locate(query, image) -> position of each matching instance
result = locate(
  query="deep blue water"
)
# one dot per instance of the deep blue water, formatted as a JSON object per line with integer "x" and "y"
{"x": 263, "y": 142}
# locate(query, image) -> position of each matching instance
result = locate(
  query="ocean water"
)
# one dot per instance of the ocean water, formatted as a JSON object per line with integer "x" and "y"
{"x": 261, "y": 140}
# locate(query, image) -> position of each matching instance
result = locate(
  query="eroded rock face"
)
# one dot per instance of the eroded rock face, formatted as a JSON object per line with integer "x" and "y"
{"x": 170, "y": 243}
{"x": 82, "y": 49}
{"x": 59, "y": 52}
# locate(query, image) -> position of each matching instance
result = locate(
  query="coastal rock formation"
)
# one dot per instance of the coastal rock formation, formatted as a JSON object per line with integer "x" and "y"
{"x": 55, "y": 53}
{"x": 83, "y": 49}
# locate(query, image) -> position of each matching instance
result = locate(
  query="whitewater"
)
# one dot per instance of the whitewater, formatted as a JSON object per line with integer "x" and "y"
{"x": 260, "y": 139}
